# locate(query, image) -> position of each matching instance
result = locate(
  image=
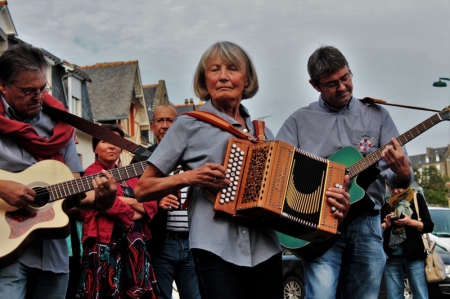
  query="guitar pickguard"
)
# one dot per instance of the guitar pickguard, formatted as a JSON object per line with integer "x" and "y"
{"x": 21, "y": 221}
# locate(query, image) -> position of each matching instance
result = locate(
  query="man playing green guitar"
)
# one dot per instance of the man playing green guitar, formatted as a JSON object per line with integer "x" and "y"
{"x": 352, "y": 265}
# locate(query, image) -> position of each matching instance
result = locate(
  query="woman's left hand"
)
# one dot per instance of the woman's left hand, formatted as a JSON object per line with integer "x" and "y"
{"x": 339, "y": 199}
{"x": 105, "y": 190}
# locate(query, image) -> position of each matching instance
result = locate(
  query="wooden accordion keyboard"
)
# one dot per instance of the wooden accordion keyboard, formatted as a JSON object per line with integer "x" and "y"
{"x": 282, "y": 186}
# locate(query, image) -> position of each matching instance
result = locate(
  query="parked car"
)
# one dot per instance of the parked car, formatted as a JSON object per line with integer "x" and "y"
{"x": 441, "y": 235}
{"x": 293, "y": 276}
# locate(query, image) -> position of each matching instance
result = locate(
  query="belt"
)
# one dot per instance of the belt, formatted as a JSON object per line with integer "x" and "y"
{"x": 177, "y": 235}
{"x": 371, "y": 213}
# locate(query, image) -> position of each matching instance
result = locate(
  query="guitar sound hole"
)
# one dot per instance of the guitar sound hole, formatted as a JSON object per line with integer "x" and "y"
{"x": 42, "y": 197}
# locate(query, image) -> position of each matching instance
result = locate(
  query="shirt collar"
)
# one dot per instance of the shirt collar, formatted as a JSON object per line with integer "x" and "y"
{"x": 324, "y": 105}
{"x": 208, "y": 106}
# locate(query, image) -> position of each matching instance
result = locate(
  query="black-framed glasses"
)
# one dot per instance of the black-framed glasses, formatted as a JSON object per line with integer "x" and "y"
{"x": 31, "y": 92}
{"x": 161, "y": 121}
{"x": 333, "y": 85}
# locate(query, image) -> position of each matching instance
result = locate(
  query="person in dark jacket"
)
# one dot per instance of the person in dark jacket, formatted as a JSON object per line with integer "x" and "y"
{"x": 402, "y": 242}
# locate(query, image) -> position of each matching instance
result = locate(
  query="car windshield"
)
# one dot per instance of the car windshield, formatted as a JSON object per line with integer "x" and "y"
{"x": 441, "y": 220}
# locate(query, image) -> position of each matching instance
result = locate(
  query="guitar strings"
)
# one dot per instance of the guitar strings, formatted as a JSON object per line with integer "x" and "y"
{"x": 45, "y": 194}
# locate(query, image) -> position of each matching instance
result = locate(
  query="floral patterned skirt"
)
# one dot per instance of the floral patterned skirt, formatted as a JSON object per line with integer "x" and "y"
{"x": 120, "y": 269}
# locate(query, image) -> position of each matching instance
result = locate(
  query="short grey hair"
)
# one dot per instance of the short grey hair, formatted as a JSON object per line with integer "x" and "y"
{"x": 326, "y": 60}
{"x": 230, "y": 53}
{"x": 21, "y": 58}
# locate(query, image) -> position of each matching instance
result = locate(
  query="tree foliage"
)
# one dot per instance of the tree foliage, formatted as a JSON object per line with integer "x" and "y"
{"x": 433, "y": 185}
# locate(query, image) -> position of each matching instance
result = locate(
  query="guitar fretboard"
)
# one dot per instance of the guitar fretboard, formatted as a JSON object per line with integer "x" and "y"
{"x": 376, "y": 156}
{"x": 77, "y": 186}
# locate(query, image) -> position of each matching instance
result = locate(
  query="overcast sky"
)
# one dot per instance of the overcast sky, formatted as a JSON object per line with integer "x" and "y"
{"x": 396, "y": 49}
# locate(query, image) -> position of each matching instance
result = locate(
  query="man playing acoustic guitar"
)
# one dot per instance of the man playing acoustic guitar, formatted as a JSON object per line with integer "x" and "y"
{"x": 352, "y": 265}
{"x": 28, "y": 135}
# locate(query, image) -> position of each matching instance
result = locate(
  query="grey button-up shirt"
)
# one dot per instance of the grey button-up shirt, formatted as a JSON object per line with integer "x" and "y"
{"x": 192, "y": 143}
{"x": 322, "y": 131}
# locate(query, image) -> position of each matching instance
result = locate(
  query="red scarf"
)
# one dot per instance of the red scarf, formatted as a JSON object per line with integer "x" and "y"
{"x": 29, "y": 139}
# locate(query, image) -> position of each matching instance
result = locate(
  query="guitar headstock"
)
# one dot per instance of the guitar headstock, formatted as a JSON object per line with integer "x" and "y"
{"x": 445, "y": 113}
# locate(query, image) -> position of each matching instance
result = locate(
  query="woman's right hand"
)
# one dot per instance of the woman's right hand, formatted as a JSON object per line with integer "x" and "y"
{"x": 208, "y": 175}
{"x": 387, "y": 220}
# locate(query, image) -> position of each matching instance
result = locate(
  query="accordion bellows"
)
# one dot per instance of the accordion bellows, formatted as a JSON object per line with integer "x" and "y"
{"x": 280, "y": 186}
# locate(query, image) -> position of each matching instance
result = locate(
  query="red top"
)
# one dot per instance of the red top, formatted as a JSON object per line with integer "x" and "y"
{"x": 100, "y": 225}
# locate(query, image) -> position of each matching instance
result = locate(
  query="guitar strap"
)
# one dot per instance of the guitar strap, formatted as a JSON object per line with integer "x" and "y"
{"x": 371, "y": 101}
{"x": 98, "y": 132}
{"x": 219, "y": 122}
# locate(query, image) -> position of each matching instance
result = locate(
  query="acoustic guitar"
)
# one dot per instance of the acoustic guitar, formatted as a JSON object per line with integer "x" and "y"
{"x": 46, "y": 218}
{"x": 356, "y": 164}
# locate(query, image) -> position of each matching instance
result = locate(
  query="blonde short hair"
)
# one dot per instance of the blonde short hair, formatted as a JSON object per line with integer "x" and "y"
{"x": 230, "y": 53}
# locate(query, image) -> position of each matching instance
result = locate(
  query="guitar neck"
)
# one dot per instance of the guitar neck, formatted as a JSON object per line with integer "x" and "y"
{"x": 376, "y": 156}
{"x": 77, "y": 186}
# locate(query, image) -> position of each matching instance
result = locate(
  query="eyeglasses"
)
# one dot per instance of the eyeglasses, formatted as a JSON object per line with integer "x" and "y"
{"x": 31, "y": 92}
{"x": 161, "y": 121}
{"x": 333, "y": 85}
{"x": 127, "y": 191}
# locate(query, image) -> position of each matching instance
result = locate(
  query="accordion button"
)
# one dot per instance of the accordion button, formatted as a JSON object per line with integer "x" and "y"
{"x": 235, "y": 183}
{"x": 227, "y": 199}
{"x": 228, "y": 170}
{"x": 238, "y": 172}
{"x": 232, "y": 198}
{"x": 223, "y": 195}
{"x": 238, "y": 149}
{"x": 233, "y": 193}
{"x": 234, "y": 145}
{"x": 222, "y": 201}
{"x": 242, "y": 153}
{"x": 234, "y": 188}
{"x": 227, "y": 175}
{"x": 233, "y": 169}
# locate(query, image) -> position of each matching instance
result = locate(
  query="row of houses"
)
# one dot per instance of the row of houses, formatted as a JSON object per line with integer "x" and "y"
{"x": 110, "y": 93}
{"x": 437, "y": 157}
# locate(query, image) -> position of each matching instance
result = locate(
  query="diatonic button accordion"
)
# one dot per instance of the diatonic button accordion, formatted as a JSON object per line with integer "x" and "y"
{"x": 280, "y": 186}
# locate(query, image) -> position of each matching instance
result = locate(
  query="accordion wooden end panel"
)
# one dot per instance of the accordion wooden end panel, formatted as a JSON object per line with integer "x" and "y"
{"x": 281, "y": 186}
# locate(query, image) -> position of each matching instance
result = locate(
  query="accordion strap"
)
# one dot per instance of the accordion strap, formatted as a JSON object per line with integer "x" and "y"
{"x": 219, "y": 122}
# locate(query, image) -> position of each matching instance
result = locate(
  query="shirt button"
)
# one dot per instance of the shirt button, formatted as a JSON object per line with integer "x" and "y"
{"x": 244, "y": 232}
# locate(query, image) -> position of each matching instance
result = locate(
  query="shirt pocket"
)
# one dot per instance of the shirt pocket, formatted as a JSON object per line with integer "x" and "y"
{"x": 365, "y": 141}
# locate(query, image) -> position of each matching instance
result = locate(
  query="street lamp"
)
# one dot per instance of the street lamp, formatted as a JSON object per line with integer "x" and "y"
{"x": 440, "y": 83}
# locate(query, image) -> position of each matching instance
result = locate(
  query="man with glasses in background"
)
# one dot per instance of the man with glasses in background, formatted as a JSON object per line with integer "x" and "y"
{"x": 28, "y": 134}
{"x": 353, "y": 262}
{"x": 169, "y": 247}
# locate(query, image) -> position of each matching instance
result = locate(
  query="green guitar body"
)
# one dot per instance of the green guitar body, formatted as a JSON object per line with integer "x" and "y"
{"x": 346, "y": 156}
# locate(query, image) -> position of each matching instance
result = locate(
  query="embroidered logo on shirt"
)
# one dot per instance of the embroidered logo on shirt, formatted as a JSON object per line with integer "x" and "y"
{"x": 365, "y": 144}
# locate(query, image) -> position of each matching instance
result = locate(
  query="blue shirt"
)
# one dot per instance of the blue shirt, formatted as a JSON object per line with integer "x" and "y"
{"x": 322, "y": 131}
{"x": 49, "y": 254}
{"x": 192, "y": 143}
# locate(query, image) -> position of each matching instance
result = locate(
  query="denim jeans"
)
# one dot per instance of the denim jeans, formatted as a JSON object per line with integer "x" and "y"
{"x": 355, "y": 262}
{"x": 393, "y": 273}
{"x": 18, "y": 282}
{"x": 219, "y": 279}
{"x": 175, "y": 262}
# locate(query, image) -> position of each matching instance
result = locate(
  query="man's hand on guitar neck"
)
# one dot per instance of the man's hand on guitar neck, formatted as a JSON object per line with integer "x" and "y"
{"x": 397, "y": 162}
{"x": 16, "y": 194}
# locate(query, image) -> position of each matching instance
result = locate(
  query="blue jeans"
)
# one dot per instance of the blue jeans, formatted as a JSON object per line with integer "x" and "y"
{"x": 393, "y": 273}
{"x": 18, "y": 282}
{"x": 175, "y": 262}
{"x": 355, "y": 261}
